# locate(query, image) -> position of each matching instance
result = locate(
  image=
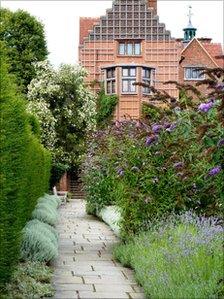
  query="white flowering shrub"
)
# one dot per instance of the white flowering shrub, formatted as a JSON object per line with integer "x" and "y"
{"x": 66, "y": 110}
{"x": 46, "y": 120}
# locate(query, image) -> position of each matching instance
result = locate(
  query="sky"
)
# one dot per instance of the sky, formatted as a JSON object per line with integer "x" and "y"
{"x": 61, "y": 20}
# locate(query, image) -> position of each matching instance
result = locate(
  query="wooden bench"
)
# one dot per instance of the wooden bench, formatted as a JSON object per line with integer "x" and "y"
{"x": 62, "y": 194}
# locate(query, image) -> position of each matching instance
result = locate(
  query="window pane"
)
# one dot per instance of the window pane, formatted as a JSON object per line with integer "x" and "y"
{"x": 125, "y": 72}
{"x": 125, "y": 85}
{"x": 187, "y": 73}
{"x": 109, "y": 73}
{"x": 132, "y": 72}
{"x": 194, "y": 74}
{"x": 113, "y": 87}
{"x": 146, "y": 73}
{"x": 132, "y": 88}
{"x": 122, "y": 49}
{"x": 137, "y": 49}
{"x": 146, "y": 89}
{"x": 108, "y": 87}
{"x": 129, "y": 49}
{"x": 113, "y": 73}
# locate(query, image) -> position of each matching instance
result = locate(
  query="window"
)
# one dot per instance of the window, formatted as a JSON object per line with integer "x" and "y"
{"x": 122, "y": 49}
{"x": 129, "y": 48}
{"x": 128, "y": 79}
{"x": 146, "y": 78}
{"x": 110, "y": 81}
{"x": 192, "y": 73}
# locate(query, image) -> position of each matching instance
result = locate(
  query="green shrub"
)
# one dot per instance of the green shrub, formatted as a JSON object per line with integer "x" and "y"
{"x": 24, "y": 168}
{"x": 40, "y": 242}
{"x": 30, "y": 280}
{"x": 151, "y": 112}
{"x": 105, "y": 107}
{"x": 177, "y": 258}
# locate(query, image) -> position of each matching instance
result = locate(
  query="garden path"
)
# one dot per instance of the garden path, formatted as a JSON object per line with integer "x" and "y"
{"x": 85, "y": 267}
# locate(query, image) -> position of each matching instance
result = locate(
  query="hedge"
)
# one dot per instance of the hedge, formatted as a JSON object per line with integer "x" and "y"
{"x": 24, "y": 171}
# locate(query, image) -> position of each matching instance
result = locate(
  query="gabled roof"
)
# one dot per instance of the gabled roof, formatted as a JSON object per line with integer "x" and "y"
{"x": 129, "y": 20}
{"x": 215, "y": 50}
{"x": 210, "y": 49}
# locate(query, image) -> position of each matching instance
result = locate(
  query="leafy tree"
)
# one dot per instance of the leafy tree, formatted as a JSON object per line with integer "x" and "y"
{"x": 69, "y": 112}
{"x": 24, "y": 37}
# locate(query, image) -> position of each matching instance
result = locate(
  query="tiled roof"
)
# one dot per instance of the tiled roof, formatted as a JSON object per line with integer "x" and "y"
{"x": 215, "y": 50}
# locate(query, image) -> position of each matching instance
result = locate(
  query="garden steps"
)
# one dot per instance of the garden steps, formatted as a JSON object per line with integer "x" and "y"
{"x": 76, "y": 188}
{"x": 85, "y": 267}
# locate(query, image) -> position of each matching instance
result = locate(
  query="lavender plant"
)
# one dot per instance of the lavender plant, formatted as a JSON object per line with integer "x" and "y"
{"x": 180, "y": 257}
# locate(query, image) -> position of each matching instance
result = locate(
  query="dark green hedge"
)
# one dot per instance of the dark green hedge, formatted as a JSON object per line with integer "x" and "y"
{"x": 24, "y": 171}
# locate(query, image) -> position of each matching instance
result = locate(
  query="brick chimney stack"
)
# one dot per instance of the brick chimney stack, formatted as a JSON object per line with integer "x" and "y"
{"x": 153, "y": 4}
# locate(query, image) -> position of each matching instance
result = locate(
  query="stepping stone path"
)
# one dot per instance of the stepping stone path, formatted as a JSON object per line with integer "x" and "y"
{"x": 85, "y": 267}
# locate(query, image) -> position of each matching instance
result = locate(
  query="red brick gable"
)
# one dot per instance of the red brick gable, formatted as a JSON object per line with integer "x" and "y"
{"x": 195, "y": 53}
{"x": 86, "y": 24}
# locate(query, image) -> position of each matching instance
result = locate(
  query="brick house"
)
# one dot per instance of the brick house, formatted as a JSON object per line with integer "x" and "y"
{"x": 129, "y": 44}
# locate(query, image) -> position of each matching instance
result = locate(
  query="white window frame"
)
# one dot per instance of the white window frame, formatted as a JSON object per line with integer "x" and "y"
{"x": 191, "y": 69}
{"x": 133, "y": 48}
{"x": 129, "y": 79}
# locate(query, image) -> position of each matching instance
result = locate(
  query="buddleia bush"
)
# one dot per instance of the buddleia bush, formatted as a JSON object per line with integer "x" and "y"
{"x": 40, "y": 242}
{"x": 150, "y": 169}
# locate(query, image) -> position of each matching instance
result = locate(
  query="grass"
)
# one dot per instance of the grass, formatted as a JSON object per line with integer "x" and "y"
{"x": 180, "y": 258}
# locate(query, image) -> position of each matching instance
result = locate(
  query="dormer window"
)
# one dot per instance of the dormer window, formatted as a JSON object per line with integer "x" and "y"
{"x": 129, "y": 48}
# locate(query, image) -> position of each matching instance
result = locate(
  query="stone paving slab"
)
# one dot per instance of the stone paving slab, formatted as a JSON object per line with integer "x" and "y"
{"x": 85, "y": 267}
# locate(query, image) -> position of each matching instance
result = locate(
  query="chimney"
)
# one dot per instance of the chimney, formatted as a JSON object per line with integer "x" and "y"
{"x": 153, "y": 4}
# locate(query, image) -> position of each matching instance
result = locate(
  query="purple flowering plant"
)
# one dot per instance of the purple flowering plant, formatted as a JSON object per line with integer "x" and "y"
{"x": 184, "y": 151}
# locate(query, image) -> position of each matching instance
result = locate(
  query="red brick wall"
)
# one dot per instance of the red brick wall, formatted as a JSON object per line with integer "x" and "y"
{"x": 161, "y": 55}
{"x": 85, "y": 24}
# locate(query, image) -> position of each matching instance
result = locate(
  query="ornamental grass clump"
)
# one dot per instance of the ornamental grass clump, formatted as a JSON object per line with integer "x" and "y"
{"x": 181, "y": 257}
{"x": 46, "y": 210}
{"x": 50, "y": 200}
{"x": 40, "y": 242}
